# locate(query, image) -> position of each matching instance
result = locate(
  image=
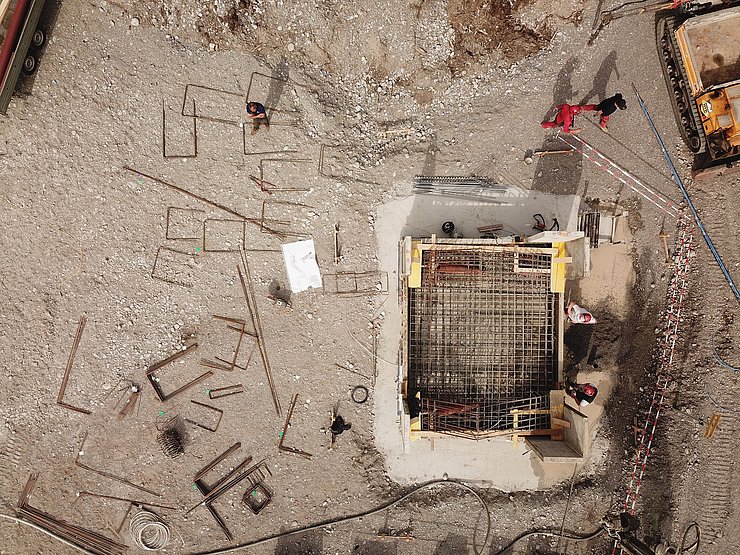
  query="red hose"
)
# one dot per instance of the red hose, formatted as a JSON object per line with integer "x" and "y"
{"x": 11, "y": 39}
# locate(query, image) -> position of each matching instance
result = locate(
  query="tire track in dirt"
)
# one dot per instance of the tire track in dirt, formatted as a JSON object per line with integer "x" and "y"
{"x": 11, "y": 456}
{"x": 719, "y": 477}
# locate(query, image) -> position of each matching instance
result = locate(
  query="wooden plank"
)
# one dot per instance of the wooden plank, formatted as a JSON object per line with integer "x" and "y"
{"x": 545, "y": 432}
{"x": 560, "y": 422}
{"x": 486, "y": 248}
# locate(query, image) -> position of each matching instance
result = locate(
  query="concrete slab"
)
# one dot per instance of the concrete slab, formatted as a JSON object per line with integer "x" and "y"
{"x": 494, "y": 462}
{"x": 423, "y": 215}
{"x": 578, "y": 436}
{"x": 557, "y": 452}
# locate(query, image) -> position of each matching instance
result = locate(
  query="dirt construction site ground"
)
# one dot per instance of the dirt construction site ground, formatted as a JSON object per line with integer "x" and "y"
{"x": 392, "y": 90}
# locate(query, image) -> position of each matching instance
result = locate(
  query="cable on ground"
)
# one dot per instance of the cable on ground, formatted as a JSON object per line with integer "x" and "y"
{"x": 694, "y": 547}
{"x": 148, "y": 531}
{"x": 552, "y": 534}
{"x": 722, "y": 361}
{"x": 385, "y": 506}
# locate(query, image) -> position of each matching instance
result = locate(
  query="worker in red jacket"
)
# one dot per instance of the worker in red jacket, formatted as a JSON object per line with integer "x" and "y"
{"x": 584, "y": 394}
{"x": 565, "y": 115}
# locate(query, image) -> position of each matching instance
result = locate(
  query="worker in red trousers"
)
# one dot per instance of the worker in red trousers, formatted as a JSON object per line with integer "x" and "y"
{"x": 565, "y": 115}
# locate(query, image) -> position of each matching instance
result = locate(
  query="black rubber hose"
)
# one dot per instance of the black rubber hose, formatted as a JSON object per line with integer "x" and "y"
{"x": 370, "y": 512}
{"x": 552, "y": 534}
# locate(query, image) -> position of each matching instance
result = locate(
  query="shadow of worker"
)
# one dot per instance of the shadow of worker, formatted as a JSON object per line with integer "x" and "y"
{"x": 562, "y": 92}
{"x": 279, "y": 77}
{"x": 601, "y": 79}
{"x": 559, "y": 174}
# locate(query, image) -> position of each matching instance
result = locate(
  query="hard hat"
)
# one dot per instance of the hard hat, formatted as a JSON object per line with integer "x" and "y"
{"x": 589, "y": 390}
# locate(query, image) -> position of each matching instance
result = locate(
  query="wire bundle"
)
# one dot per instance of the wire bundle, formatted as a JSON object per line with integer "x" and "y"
{"x": 172, "y": 439}
{"x": 148, "y": 531}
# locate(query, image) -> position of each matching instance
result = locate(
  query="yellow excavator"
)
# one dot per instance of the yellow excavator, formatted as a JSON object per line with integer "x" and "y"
{"x": 699, "y": 48}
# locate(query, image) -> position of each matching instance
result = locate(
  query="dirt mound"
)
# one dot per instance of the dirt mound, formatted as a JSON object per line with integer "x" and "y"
{"x": 464, "y": 36}
{"x": 485, "y": 28}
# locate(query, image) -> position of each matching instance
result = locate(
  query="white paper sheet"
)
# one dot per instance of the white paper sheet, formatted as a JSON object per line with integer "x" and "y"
{"x": 300, "y": 262}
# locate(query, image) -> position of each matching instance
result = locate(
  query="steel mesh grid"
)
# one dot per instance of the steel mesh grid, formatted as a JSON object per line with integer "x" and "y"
{"x": 481, "y": 334}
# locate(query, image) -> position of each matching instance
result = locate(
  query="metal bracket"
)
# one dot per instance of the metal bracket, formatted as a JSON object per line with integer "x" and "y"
{"x": 209, "y": 407}
{"x": 281, "y": 445}
{"x": 154, "y": 381}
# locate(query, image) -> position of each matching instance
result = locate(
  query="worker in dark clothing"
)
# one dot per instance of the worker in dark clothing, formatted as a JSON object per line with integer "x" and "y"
{"x": 584, "y": 394}
{"x": 257, "y": 113}
{"x": 564, "y": 117}
{"x": 607, "y": 107}
{"x": 339, "y": 425}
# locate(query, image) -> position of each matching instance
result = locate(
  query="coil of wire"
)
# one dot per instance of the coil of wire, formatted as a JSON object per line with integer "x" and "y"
{"x": 148, "y": 531}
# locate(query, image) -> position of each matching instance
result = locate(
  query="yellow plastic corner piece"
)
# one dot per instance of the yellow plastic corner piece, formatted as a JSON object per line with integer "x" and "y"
{"x": 557, "y": 272}
{"x": 415, "y": 276}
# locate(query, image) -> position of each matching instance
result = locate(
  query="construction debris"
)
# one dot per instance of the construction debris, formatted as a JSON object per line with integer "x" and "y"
{"x": 205, "y": 489}
{"x": 82, "y": 494}
{"x": 225, "y": 391}
{"x": 337, "y": 250}
{"x": 204, "y": 200}
{"x": 93, "y": 542}
{"x": 155, "y": 381}
{"x": 218, "y": 411}
{"x": 360, "y": 394}
{"x": 300, "y": 263}
{"x": 224, "y": 485}
{"x": 257, "y": 498}
{"x": 355, "y": 284}
{"x": 579, "y": 315}
{"x": 134, "y": 397}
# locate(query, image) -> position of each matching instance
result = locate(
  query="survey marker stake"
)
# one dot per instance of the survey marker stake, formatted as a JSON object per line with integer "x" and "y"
{"x": 712, "y": 426}
{"x": 664, "y": 238}
{"x": 337, "y": 250}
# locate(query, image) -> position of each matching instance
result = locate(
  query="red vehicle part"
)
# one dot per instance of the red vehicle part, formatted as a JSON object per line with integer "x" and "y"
{"x": 11, "y": 39}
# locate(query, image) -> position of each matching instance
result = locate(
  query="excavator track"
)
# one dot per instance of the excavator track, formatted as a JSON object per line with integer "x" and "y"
{"x": 684, "y": 106}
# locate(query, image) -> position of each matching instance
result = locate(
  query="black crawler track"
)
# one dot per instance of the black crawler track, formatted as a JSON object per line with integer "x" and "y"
{"x": 684, "y": 106}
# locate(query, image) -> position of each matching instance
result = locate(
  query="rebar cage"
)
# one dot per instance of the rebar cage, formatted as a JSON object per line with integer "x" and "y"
{"x": 482, "y": 341}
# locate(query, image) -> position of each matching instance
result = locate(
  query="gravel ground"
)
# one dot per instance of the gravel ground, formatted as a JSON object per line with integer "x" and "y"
{"x": 394, "y": 89}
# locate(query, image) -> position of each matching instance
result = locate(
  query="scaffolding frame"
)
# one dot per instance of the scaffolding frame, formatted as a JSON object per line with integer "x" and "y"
{"x": 482, "y": 339}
